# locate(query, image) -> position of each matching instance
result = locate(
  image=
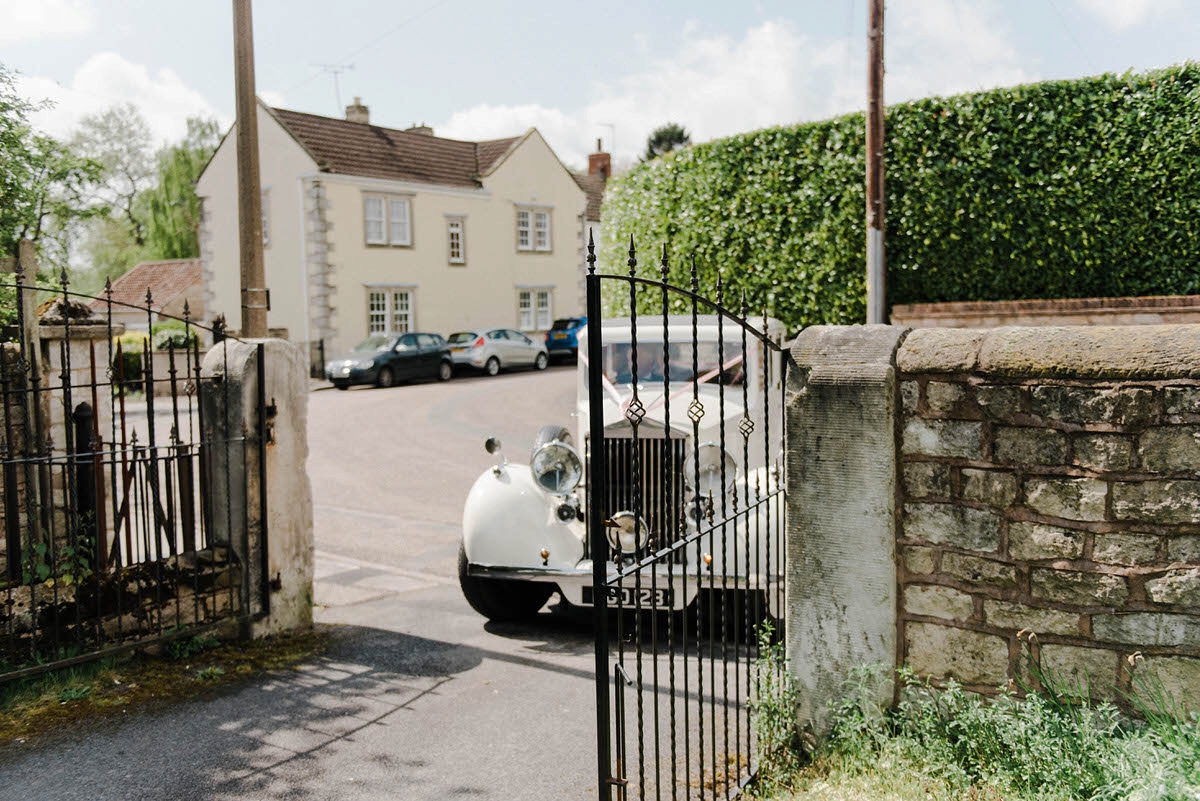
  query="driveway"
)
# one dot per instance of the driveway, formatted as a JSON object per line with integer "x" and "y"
{"x": 418, "y": 698}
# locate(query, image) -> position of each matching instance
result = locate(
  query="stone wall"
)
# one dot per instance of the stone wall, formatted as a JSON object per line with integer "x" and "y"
{"x": 1048, "y": 482}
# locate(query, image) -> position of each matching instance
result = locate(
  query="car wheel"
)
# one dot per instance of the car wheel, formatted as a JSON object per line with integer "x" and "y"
{"x": 386, "y": 377}
{"x": 501, "y": 599}
{"x": 492, "y": 367}
{"x": 445, "y": 371}
{"x": 541, "y": 361}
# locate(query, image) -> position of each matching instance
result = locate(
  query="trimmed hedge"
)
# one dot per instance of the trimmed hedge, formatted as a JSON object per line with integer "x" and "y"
{"x": 1082, "y": 188}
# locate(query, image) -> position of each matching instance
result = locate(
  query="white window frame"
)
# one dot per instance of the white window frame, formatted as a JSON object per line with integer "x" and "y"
{"x": 456, "y": 224}
{"x": 393, "y": 219}
{"x": 391, "y": 310}
{"x": 535, "y": 230}
{"x": 535, "y": 308}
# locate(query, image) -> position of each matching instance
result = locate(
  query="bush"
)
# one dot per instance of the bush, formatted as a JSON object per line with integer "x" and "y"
{"x": 167, "y": 333}
{"x": 128, "y": 362}
{"x": 1078, "y": 188}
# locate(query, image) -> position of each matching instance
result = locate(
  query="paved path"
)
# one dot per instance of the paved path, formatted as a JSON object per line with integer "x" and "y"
{"x": 418, "y": 698}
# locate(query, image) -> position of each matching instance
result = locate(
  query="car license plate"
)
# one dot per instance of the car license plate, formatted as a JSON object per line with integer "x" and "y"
{"x": 632, "y": 596}
{"x": 559, "y": 335}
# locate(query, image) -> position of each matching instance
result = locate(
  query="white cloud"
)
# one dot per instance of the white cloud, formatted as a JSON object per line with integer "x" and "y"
{"x": 107, "y": 79}
{"x": 773, "y": 74}
{"x": 1122, "y": 14}
{"x": 27, "y": 21}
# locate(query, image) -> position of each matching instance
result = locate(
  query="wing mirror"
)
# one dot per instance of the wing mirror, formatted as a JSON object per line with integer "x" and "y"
{"x": 492, "y": 446}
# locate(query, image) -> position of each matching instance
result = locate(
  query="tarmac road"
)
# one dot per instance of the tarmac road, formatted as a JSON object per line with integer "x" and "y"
{"x": 418, "y": 698}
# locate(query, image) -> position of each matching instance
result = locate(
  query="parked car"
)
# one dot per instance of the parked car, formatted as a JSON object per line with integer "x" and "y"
{"x": 497, "y": 349}
{"x": 385, "y": 360}
{"x": 524, "y": 532}
{"x": 563, "y": 337}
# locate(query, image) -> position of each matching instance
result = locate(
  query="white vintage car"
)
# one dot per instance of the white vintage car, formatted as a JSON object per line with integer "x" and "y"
{"x": 705, "y": 511}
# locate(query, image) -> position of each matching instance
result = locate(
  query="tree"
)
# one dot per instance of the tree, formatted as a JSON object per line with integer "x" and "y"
{"x": 42, "y": 181}
{"x": 173, "y": 210}
{"x": 119, "y": 140}
{"x": 666, "y": 138}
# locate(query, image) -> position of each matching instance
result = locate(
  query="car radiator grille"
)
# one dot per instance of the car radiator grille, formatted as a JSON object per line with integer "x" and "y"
{"x": 659, "y": 466}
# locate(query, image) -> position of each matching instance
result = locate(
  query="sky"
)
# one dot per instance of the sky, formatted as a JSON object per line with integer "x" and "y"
{"x": 479, "y": 69}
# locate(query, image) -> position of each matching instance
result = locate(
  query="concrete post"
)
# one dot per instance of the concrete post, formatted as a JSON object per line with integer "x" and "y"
{"x": 229, "y": 394}
{"x": 841, "y": 505}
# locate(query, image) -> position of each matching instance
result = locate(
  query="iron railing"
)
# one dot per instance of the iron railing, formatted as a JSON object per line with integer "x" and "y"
{"x": 675, "y": 689}
{"x": 106, "y": 457}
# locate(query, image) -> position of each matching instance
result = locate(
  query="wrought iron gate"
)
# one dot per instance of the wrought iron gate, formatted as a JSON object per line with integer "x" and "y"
{"x": 685, "y": 510}
{"x": 109, "y": 464}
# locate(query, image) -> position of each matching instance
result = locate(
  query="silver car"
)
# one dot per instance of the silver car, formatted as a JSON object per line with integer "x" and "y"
{"x": 495, "y": 349}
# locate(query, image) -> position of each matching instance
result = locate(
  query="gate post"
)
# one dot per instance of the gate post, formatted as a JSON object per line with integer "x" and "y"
{"x": 254, "y": 403}
{"x": 841, "y": 510}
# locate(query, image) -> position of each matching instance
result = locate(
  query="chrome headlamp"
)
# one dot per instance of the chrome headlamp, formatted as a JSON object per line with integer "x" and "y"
{"x": 705, "y": 468}
{"x": 556, "y": 467}
{"x": 627, "y": 533}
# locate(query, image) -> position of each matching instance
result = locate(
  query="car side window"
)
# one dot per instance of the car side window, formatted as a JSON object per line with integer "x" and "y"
{"x": 497, "y": 334}
{"x": 427, "y": 342}
{"x": 407, "y": 342}
{"x": 519, "y": 337}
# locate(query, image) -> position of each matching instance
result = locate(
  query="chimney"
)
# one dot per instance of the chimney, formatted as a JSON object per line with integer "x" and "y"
{"x": 422, "y": 129}
{"x": 357, "y": 112}
{"x": 600, "y": 163}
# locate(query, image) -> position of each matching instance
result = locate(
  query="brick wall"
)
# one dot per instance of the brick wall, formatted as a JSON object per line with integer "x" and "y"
{"x": 1152, "y": 310}
{"x": 1050, "y": 483}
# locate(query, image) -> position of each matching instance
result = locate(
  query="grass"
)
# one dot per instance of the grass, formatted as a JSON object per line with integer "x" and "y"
{"x": 944, "y": 743}
{"x": 185, "y": 668}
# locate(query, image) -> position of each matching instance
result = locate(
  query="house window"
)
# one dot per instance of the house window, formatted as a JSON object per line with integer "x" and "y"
{"x": 534, "y": 310}
{"x": 389, "y": 311}
{"x": 455, "y": 241}
{"x": 387, "y": 220}
{"x": 533, "y": 229}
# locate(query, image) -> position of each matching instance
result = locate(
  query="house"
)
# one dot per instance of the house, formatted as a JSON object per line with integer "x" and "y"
{"x": 171, "y": 285}
{"x": 369, "y": 229}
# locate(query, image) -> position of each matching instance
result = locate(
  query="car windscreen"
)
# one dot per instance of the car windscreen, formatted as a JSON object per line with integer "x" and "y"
{"x": 373, "y": 344}
{"x": 564, "y": 325}
{"x": 712, "y": 365}
{"x": 461, "y": 337}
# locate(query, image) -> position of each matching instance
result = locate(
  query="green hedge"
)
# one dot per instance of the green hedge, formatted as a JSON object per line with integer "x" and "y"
{"x": 1082, "y": 188}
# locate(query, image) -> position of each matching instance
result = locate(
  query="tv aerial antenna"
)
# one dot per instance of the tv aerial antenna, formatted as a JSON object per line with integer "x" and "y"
{"x": 335, "y": 70}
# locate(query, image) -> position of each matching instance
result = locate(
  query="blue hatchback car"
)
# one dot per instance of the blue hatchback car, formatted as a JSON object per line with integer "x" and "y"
{"x": 563, "y": 337}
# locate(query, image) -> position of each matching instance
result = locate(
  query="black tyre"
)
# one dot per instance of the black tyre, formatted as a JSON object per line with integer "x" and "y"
{"x": 541, "y": 361}
{"x": 500, "y": 599}
{"x": 445, "y": 371}
{"x": 342, "y": 386}
{"x": 492, "y": 367}
{"x": 386, "y": 378}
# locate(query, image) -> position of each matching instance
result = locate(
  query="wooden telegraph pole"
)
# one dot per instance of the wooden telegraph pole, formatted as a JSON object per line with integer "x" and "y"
{"x": 255, "y": 298}
{"x": 876, "y": 265}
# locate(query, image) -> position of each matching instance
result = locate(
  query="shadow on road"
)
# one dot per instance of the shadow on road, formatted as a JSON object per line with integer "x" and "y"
{"x": 331, "y": 728}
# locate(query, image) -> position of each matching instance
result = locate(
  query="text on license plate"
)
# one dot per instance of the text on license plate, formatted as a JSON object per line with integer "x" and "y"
{"x": 632, "y": 596}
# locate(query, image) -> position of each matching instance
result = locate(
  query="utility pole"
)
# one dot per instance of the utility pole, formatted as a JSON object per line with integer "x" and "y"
{"x": 255, "y": 298}
{"x": 876, "y": 264}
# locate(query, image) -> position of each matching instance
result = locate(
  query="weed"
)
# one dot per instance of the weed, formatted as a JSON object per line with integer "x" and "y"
{"x": 773, "y": 707}
{"x": 210, "y": 673}
{"x": 941, "y": 741}
{"x": 75, "y": 692}
{"x": 185, "y": 647}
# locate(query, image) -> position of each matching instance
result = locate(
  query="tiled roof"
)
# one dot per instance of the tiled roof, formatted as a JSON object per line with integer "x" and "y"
{"x": 593, "y": 187}
{"x": 165, "y": 280}
{"x": 355, "y": 148}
